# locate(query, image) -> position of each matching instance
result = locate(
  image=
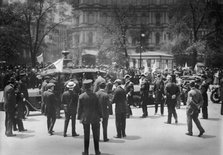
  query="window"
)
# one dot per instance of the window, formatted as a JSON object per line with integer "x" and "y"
{"x": 90, "y": 37}
{"x": 157, "y": 38}
{"x": 158, "y": 19}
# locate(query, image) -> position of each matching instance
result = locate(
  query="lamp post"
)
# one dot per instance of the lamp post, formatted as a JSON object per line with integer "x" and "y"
{"x": 142, "y": 35}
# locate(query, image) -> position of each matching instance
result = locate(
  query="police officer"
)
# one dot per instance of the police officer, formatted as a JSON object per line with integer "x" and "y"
{"x": 9, "y": 106}
{"x": 89, "y": 114}
{"x": 49, "y": 99}
{"x": 70, "y": 99}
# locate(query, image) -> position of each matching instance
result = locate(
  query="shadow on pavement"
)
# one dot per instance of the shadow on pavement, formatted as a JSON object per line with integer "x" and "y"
{"x": 212, "y": 119}
{"x": 23, "y": 136}
{"x": 132, "y": 137}
{"x": 115, "y": 141}
{"x": 103, "y": 154}
{"x": 207, "y": 136}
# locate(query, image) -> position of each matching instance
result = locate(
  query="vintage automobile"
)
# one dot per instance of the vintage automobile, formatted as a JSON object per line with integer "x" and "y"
{"x": 33, "y": 103}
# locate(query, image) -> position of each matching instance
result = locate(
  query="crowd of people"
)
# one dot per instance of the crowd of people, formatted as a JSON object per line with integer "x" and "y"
{"x": 91, "y": 102}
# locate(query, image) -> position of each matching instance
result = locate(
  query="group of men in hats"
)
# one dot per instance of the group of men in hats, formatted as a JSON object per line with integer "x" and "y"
{"x": 15, "y": 93}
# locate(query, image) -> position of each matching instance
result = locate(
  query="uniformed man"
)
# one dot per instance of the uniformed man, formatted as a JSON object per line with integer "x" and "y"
{"x": 69, "y": 100}
{"x": 49, "y": 99}
{"x": 120, "y": 108}
{"x": 89, "y": 114}
{"x": 9, "y": 106}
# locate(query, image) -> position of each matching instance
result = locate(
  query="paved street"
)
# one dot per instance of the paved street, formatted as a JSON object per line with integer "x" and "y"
{"x": 144, "y": 136}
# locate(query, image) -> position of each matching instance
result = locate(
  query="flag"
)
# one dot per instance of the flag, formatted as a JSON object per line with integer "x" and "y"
{"x": 154, "y": 67}
{"x": 196, "y": 68}
{"x": 40, "y": 58}
{"x": 59, "y": 64}
{"x": 166, "y": 68}
{"x": 185, "y": 66}
{"x": 146, "y": 69}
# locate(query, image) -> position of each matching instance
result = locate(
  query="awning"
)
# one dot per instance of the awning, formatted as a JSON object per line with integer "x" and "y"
{"x": 90, "y": 52}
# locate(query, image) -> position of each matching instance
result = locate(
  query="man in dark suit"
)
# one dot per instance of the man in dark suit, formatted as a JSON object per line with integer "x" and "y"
{"x": 172, "y": 91}
{"x": 129, "y": 88}
{"x": 89, "y": 114}
{"x": 144, "y": 92}
{"x": 104, "y": 102}
{"x": 120, "y": 108}
{"x": 49, "y": 99}
{"x": 159, "y": 93}
{"x": 69, "y": 100}
{"x": 9, "y": 106}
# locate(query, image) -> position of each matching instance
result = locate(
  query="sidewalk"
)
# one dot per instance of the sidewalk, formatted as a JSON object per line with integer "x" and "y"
{"x": 144, "y": 136}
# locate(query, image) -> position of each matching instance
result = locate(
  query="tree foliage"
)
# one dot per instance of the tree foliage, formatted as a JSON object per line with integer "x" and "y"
{"x": 115, "y": 27}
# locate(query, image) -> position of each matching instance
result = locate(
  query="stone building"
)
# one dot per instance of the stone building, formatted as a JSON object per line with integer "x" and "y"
{"x": 152, "y": 14}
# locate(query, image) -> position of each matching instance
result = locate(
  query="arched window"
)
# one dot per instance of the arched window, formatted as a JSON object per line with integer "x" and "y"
{"x": 157, "y": 38}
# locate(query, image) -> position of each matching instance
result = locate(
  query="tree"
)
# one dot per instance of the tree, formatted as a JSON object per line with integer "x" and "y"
{"x": 115, "y": 26}
{"x": 37, "y": 23}
{"x": 188, "y": 18}
{"x": 11, "y": 30}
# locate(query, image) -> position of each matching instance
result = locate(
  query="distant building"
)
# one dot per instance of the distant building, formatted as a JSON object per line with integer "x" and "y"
{"x": 151, "y": 14}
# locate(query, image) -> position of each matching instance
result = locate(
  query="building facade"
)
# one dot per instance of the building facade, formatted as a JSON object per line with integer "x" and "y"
{"x": 152, "y": 14}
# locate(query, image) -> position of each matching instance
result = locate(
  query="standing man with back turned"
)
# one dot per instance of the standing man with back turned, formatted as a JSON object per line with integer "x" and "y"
{"x": 89, "y": 114}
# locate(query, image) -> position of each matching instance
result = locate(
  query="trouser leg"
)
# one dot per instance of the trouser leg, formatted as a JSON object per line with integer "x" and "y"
{"x": 9, "y": 123}
{"x": 156, "y": 106}
{"x": 66, "y": 122}
{"x": 197, "y": 122}
{"x": 205, "y": 112}
{"x": 123, "y": 125}
{"x": 189, "y": 123}
{"x": 96, "y": 130}
{"x": 20, "y": 124}
{"x": 169, "y": 114}
{"x": 161, "y": 107}
{"x": 118, "y": 124}
{"x": 105, "y": 125}
{"x": 48, "y": 122}
{"x": 73, "y": 117}
{"x": 144, "y": 109}
{"x": 174, "y": 113}
{"x": 86, "y": 137}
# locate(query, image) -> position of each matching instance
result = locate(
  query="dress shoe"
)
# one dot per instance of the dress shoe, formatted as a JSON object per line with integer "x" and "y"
{"x": 124, "y": 135}
{"x": 117, "y": 137}
{"x": 97, "y": 153}
{"x": 85, "y": 153}
{"x": 75, "y": 135}
{"x": 189, "y": 134}
{"x": 167, "y": 122}
{"x": 15, "y": 129}
{"x": 176, "y": 122}
{"x": 23, "y": 130}
{"x": 143, "y": 116}
{"x": 201, "y": 133}
{"x": 65, "y": 135}
{"x": 106, "y": 140}
{"x": 10, "y": 135}
{"x": 50, "y": 133}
